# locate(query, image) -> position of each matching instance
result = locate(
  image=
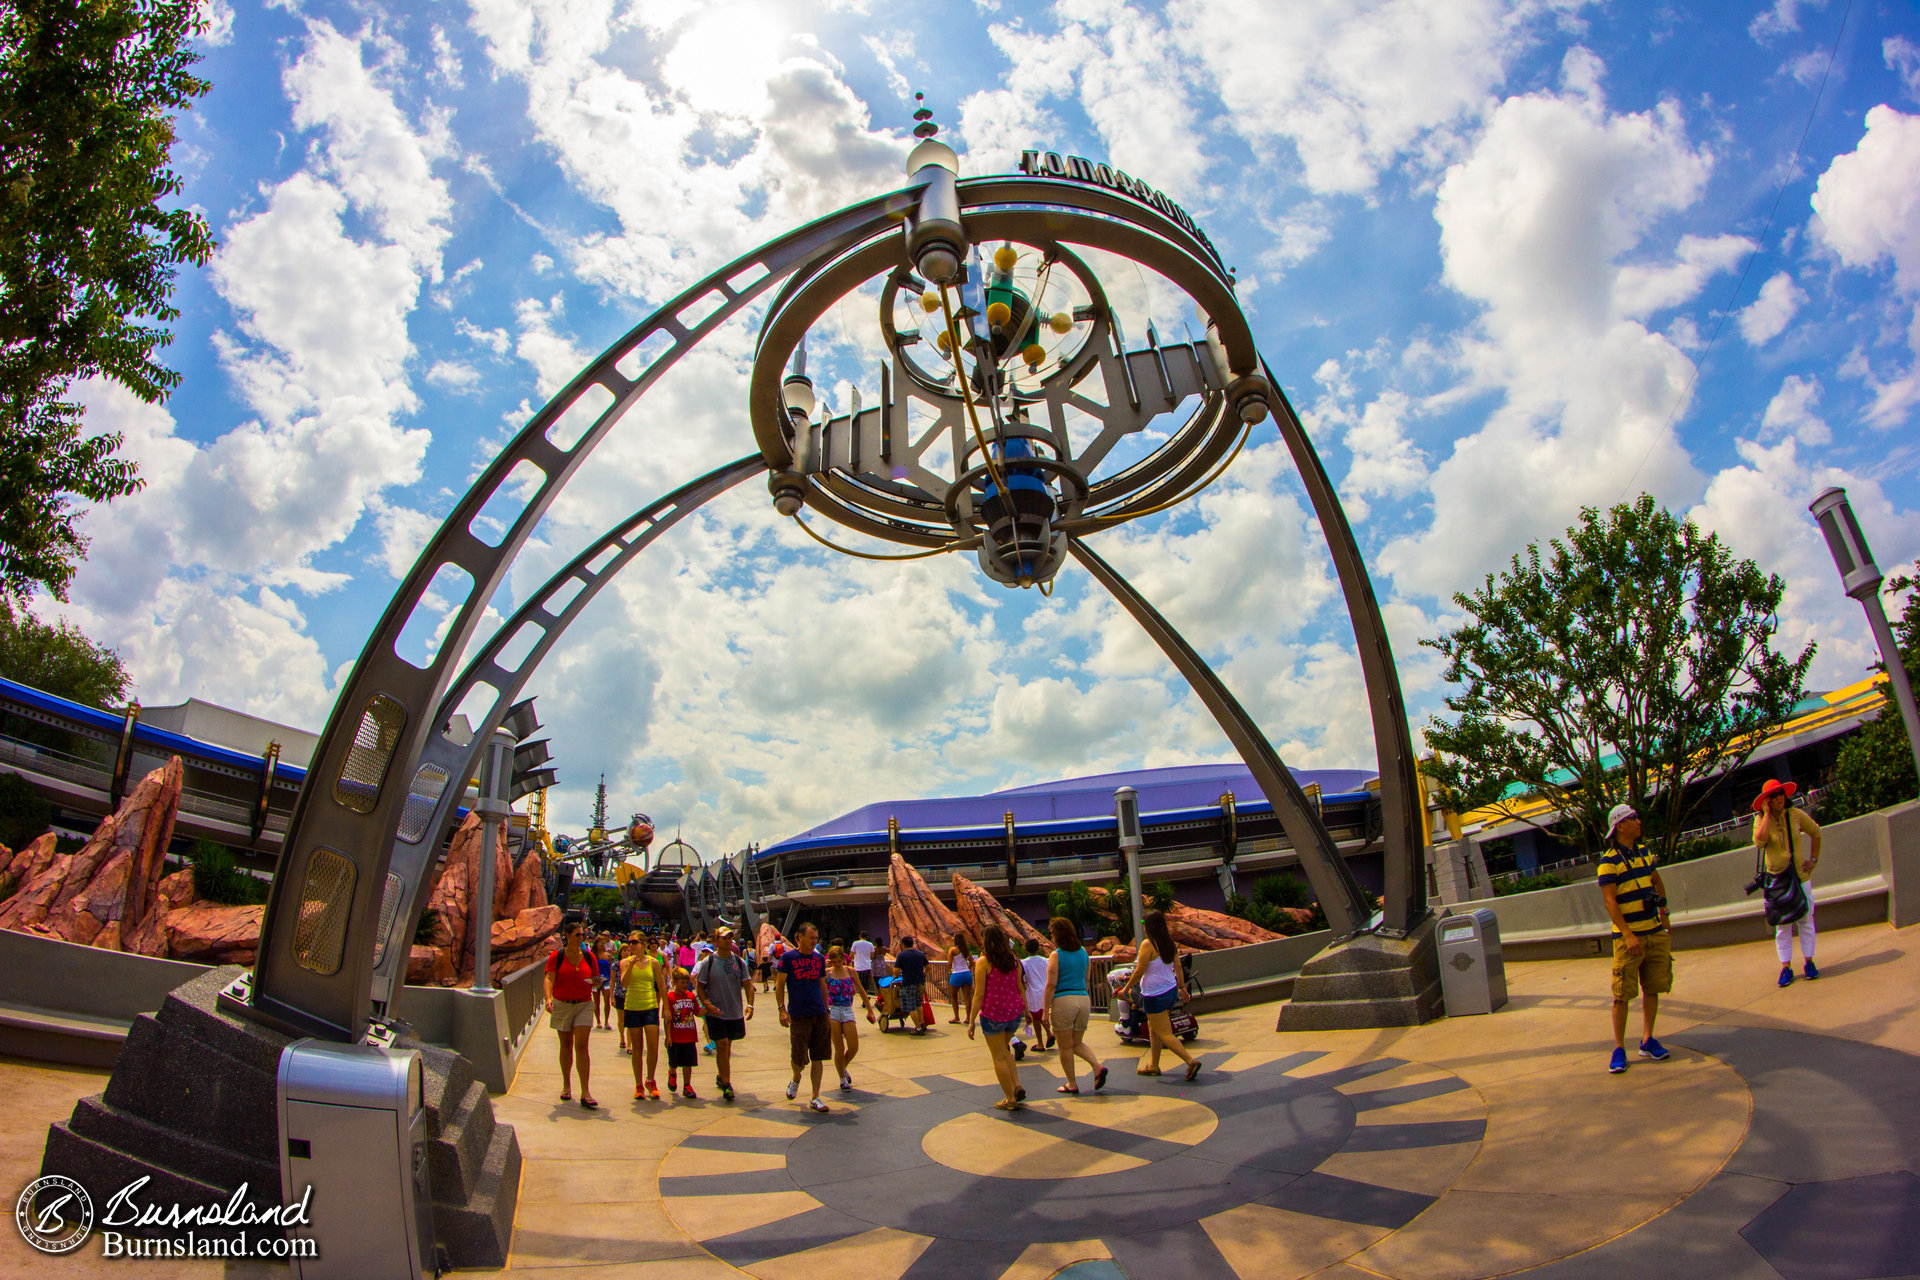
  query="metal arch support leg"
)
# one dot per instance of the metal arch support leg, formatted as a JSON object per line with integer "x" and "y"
{"x": 1400, "y": 801}
{"x": 1345, "y": 903}
{"x": 447, "y": 764}
{"x": 322, "y": 922}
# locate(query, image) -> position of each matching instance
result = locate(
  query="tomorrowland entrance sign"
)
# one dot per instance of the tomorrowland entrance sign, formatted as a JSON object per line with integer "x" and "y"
{"x": 1051, "y": 164}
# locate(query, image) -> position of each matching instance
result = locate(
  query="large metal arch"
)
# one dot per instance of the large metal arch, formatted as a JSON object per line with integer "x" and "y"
{"x": 1341, "y": 898}
{"x": 426, "y": 823}
{"x": 330, "y": 909}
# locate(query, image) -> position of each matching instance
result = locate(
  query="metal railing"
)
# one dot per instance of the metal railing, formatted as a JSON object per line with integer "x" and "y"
{"x": 1735, "y": 823}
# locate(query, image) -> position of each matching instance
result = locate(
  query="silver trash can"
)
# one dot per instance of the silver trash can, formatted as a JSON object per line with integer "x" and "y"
{"x": 1473, "y": 976}
{"x": 353, "y": 1140}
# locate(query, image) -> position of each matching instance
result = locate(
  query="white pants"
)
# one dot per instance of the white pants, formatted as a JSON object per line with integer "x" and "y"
{"x": 1783, "y": 935}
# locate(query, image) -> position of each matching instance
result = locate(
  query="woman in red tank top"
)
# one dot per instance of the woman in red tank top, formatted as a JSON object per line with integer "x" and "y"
{"x": 571, "y": 974}
{"x": 1000, "y": 1005}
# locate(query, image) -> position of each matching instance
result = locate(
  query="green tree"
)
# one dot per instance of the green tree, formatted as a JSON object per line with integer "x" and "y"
{"x": 1160, "y": 895}
{"x": 1629, "y": 661}
{"x": 23, "y": 816}
{"x": 58, "y": 659}
{"x": 88, "y": 94}
{"x": 1874, "y": 767}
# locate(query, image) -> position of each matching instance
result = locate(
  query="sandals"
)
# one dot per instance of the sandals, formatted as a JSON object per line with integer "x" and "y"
{"x": 1152, "y": 1071}
{"x": 1193, "y": 1070}
{"x": 1068, "y": 1089}
{"x": 1006, "y": 1104}
{"x": 588, "y": 1103}
{"x": 566, "y": 1095}
{"x": 1099, "y": 1079}
{"x": 1019, "y": 1094}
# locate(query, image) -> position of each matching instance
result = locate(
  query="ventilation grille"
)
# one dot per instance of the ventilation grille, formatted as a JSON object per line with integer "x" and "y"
{"x": 326, "y": 903}
{"x": 428, "y": 786}
{"x": 358, "y": 787}
{"x": 389, "y": 908}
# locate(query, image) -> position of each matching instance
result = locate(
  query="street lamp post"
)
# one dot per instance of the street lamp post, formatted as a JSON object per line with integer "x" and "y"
{"x": 496, "y": 776}
{"x": 1862, "y": 577}
{"x": 1126, "y": 812}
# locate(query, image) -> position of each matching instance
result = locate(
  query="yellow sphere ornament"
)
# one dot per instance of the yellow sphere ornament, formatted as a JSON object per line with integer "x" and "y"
{"x": 944, "y": 341}
{"x": 998, "y": 313}
{"x": 929, "y": 302}
{"x": 1005, "y": 256}
{"x": 1062, "y": 322}
{"x": 1034, "y": 353}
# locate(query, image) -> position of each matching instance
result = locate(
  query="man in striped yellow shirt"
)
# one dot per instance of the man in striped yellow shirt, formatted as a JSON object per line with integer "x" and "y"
{"x": 1636, "y": 900}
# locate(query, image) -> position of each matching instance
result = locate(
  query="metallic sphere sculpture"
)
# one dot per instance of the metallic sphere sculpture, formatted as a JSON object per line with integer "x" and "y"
{"x": 1011, "y": 422}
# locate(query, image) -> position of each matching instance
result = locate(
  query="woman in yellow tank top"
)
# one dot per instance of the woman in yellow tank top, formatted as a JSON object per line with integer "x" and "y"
{"x": 1786, "y": 836}
{"x": 644, "y": 977}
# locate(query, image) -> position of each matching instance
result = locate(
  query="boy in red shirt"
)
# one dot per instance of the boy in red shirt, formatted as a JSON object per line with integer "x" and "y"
{"x": 683, "y": 1048}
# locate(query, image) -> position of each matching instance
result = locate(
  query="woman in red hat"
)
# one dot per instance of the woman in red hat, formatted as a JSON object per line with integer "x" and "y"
{"x": 1785, "y": 834}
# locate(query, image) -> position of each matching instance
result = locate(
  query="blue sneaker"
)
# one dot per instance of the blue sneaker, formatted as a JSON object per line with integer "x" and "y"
{"x": 1651, "y": 1048}
{"x": 1786, "y": 975}
{"x": 1812, "y": 972}
{"x": 1617, "y": 1063}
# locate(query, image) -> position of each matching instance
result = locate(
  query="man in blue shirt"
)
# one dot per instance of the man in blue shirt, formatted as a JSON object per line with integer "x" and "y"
{"x": 1636, "y": 900}
{"x": 911, "y": 965}
{"x": 800, "y": 989}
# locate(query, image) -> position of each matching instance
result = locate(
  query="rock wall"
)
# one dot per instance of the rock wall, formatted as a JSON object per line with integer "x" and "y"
{"x": 101, "y": 892}
{"x": 523, "y": 920}
{"x": 913, "y": 911}
{"x": 111, "y": 893}
{"x": 978, "y": 909}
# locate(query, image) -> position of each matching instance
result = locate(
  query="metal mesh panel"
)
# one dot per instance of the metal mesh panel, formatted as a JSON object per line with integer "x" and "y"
{"x": 358, "y": 786}
{"x": 428, "y": 784}
{"x": 326, "y": 900}
{"x": 389, "y": 908}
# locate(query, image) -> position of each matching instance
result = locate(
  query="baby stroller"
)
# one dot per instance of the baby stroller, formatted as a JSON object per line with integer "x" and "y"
{"x": 1130, "y": 1020}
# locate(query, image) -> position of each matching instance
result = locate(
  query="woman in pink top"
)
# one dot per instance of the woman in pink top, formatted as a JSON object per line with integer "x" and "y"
{"x": 1000, "y": 1006}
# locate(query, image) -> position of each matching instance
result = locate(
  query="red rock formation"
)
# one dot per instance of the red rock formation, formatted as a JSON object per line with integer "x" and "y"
{"x": 110, "y": 878}
{"x": 764, "y": 940}
{"x": 1211, "y": 930}
{"x": 210, "y": 933}
{"x": 528, "y": 887}
{"x": 150, "y": 937}
{"x": 523, "y": 940}
{"x": 449, "y": 907}
{"x": 18, "y": 868}
{"x": 913, "y": 912}
{"x": 978, "y": 909}
{"x": 1196, "y": 929}
{"x": 137, "y": 833}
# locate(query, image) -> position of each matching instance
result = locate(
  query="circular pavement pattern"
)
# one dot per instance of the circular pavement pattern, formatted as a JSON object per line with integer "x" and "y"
{"x": 1145, "y": 1172}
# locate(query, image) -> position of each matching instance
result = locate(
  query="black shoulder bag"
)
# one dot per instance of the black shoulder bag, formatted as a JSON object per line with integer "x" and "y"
{"x": 1786, "y": 895}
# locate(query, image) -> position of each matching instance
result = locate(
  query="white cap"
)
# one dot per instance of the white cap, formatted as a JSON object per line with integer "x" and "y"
{"x": 1621, "y": 812}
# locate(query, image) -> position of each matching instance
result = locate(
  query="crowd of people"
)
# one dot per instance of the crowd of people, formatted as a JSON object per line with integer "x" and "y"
{"x": 706, "y": 985}
{"x": 700, "y": 991}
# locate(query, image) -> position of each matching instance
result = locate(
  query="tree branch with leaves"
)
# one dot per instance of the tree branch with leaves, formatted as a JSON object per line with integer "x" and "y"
{"x": 1631, "y": 661}
{"x": 89, "y": 91}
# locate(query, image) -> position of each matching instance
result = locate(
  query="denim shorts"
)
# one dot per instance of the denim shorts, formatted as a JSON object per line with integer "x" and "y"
{"x": 1165, "y": 1002}
{"x": 995, "y": 1027}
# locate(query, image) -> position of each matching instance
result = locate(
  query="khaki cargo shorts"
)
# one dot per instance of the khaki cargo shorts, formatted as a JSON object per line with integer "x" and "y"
{"x": 1651, "y": 971}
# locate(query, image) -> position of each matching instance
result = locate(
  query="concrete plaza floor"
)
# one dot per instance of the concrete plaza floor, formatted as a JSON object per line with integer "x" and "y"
{"x": 1782, "y": 1139}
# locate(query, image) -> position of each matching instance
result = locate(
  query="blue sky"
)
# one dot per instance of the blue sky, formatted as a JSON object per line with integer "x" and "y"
{"x": 1508, "y": 257}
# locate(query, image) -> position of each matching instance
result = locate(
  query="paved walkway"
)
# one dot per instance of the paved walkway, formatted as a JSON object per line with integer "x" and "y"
{"x": 1781, "y": 1140}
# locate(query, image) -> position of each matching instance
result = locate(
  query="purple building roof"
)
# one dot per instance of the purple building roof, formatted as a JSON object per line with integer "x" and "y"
{"x": 1182, "y": 787}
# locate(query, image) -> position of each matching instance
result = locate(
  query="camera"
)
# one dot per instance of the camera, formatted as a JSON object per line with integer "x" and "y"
{"x": 1753, "y": 887}
{"x": 1659, "y": 903}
